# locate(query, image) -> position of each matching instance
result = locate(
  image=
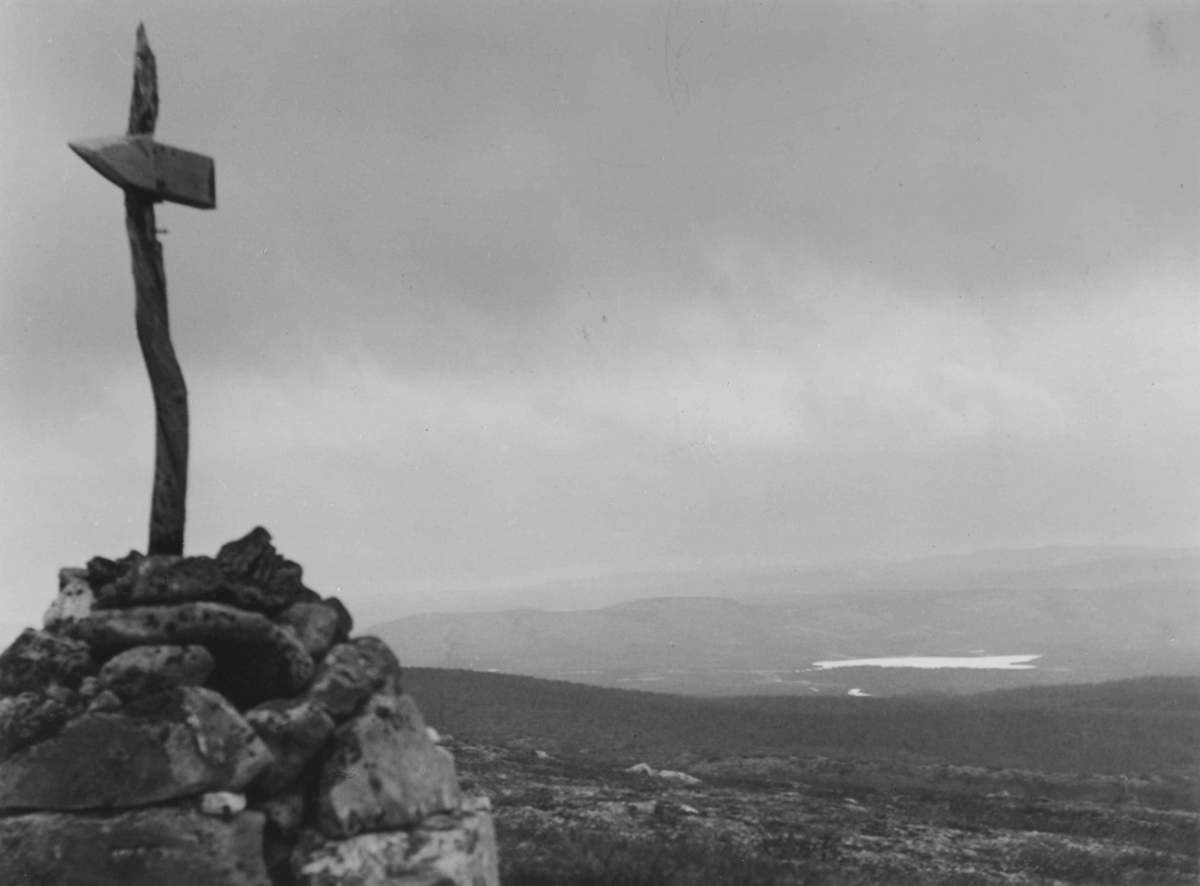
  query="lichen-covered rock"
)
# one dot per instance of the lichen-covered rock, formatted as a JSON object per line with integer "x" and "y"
{"x": 255, "y": 659}
{"x": 171, "y": 745}
{"x": 294, "y": 731}
{"x": 145, "y": 670}
{"x": 247, "y": 573}
{"x": 102, "y": 571}
{"x": 75, "y": 597}
{"x": 384, "y": 772}
{"x": 31, "y": 717}
{"x": 259, "y": 577}
{"x": 151, "y": 847}
{"x": 450, "y": 850}
{"x": 161, "y": 579}
{"x": 37, "y": 659}
{"x": 352, "y": 672}
{"x": 314, "y": 623}
{"x": 252, "y": 556}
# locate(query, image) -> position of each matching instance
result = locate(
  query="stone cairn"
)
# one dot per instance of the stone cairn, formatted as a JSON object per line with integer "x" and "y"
{"x": 201, "y": 721}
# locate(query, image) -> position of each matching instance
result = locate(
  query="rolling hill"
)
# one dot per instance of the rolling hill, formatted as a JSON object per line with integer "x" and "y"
{"x": 1090, "y": 614}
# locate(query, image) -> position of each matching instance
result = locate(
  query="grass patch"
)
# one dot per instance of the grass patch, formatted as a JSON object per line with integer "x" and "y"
{"x": 589, "y": 858}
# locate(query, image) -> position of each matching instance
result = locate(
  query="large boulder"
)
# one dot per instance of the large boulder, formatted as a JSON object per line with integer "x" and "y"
{"x": 352, "y": 672}
{"x": 145, "y": 670}
{"x": 458, "y": 849}
{"x": 256, "y": 659}
{"x": 171, "y": 745}
{"x": 384, "y": 772}
{"x": 294, "y": 731}
{"x": 36, "y": 659}
{"x": 150, "y": 847}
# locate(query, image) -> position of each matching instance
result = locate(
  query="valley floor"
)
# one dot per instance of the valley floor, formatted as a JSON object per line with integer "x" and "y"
{"x": 573, "y": 820}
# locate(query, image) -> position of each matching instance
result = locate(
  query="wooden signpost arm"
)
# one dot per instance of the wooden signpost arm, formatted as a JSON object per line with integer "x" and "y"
{"x": 167, "y": 504}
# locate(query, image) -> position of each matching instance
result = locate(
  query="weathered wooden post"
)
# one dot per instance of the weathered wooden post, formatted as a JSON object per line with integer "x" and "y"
{"x": 150, "y": 172}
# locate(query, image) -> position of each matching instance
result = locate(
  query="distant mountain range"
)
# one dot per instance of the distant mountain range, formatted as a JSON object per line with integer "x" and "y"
{"x": 1091, "y": 614}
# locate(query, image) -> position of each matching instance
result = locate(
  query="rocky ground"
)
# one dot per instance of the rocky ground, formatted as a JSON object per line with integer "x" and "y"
{"x": 819, "y": 821}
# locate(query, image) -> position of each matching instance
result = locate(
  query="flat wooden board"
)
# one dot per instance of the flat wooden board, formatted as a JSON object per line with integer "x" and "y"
{"x": 164, "y": 172}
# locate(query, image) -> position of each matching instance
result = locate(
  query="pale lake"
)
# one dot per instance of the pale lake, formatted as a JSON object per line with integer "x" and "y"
{"x": 988, "y": 662}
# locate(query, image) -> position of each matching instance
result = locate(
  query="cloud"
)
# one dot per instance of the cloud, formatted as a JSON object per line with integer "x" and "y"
{"x": 499, "y": 293}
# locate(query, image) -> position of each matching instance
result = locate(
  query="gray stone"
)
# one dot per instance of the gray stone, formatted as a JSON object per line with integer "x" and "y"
{"x": 255, "y": 658}
{"x": 104, "y": 702}
{"x": 345, "y": 622}
{"x": 75, "y": 597}
{"x": 384, "y": 772}
{"x": 145, "y": 670}
{"x": 148, "y": 847}
{"x": 31, "y": 717}
{"x": 102, "y": 571}
{"x": 222, "y": 804}
{"x": 294, "y": 731}
{"x": 458, "y": 850}
{"x": 36, "y": 659}
{"x": 352, "y": 672}
{"x": 171, "y": 745}
{"x": 259, "y": 578}
{"x": 382, "y": 662}
{"x": 162, "y": 579}
{"x": 314, "y": 623}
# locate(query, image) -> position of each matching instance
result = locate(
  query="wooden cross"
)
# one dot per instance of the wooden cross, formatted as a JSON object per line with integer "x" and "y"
{"x": 150, "y": 172}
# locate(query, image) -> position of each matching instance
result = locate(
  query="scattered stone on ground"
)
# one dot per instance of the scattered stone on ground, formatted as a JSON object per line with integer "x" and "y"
{"x": 648, "y": 770}
{"x": 929, "y": 824}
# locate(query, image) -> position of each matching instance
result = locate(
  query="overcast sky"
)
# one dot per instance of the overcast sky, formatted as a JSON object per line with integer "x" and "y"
{"x": 499, "y": 293}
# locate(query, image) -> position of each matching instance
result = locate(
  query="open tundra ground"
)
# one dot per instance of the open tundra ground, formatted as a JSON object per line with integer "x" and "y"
{"x": 1083, "y": 784}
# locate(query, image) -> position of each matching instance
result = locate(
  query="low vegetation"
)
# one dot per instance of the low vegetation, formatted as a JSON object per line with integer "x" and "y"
{"x": 1093, "y": 784}
{"x": 1147, "y": 726}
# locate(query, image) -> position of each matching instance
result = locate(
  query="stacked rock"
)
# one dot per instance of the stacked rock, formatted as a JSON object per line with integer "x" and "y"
{"x": 208, "y": 721}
